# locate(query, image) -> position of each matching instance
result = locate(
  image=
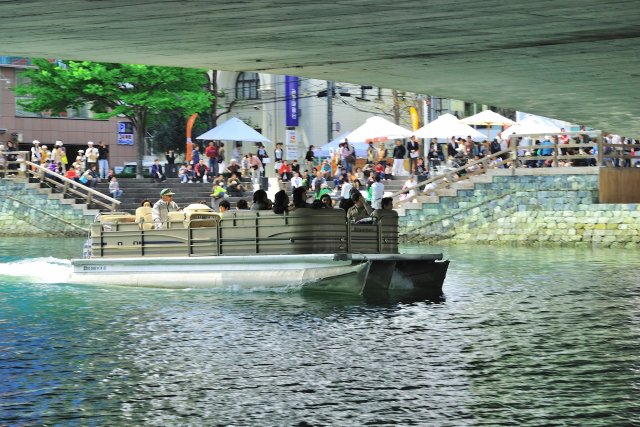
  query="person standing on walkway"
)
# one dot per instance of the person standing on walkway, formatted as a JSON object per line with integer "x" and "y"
{"x": 212, "y": 153}
{"x": 382, "y": 154}
{"x": 413, "y": 147}
{"x": 398, "y": 159}
{"x": 310, "y": 158}
{"x": 92, "y": 154}
{"x": 56, "y": 155}
{"x": 372, "y": 154}
{"x": 377, "y": 191}
{"x": 103, "y": 160}
{"x": 195, "y": 155}
{"x": 35, "y": 152}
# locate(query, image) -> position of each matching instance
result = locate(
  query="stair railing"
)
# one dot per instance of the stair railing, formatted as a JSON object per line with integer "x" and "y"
{"x": 69, "y": 186}
{"x": 471, "y": 168}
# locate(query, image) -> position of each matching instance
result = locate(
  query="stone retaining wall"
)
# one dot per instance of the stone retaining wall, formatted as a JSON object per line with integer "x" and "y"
{"x": 24, "y": 211}
{"x": 529, "y": 210}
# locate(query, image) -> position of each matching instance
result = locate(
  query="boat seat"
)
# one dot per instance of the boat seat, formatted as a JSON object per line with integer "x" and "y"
{"x": 197, "y": 207}
{"x": 175, "y": 219}
{"x": 116, "y": 218}
{"x": 200, "y": 219}
{"x": 143, "y": 217}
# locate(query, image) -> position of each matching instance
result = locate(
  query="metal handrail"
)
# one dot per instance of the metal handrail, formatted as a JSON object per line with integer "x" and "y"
{"x": 485, "y": 162}
{"x": 70, "y": 186}
{"x": 65, "y": 184}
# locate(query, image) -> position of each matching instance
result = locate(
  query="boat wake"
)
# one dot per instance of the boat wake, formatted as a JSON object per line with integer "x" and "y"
{"x": 38, "y": 270}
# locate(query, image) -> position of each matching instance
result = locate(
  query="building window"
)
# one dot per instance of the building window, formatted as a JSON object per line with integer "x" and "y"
{"x": 247, "y": 86}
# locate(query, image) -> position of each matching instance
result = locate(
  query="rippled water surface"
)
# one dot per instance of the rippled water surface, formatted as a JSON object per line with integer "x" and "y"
{"x": 522, "y": 337}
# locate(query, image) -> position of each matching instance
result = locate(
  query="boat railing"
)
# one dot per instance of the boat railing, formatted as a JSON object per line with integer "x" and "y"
{"x": 305, "y": 231}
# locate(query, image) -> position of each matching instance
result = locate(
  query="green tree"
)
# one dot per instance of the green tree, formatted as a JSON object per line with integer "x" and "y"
{"x": 135, "y": 91}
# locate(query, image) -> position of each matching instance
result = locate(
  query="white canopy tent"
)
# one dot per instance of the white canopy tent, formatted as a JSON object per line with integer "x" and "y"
{"x": 446, "y": 126}
{"x": 488, "y": 118}
{"x": 233, "y": 129}
{"x": 325, "y": 150}
{"x": 537, "y": 125}
{"x": 378, "y": 129}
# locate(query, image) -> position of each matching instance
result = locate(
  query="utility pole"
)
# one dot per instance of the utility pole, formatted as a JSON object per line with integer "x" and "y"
{"x": 396, "y": 106}
{"x": 329, "y": 111}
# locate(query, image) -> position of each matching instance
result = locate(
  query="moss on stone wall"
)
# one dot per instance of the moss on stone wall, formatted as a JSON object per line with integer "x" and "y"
{"x": 558, "y": 210}
{"x": 24, "y": 211}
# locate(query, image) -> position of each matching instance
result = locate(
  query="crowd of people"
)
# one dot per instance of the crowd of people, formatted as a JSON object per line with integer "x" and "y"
{"x": 334, "y": 178}
{"x": 357, "y": 208}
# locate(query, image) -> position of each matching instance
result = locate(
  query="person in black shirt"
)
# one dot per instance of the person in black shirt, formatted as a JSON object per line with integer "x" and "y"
{"x": 310, "y": 158}
{"x": 103, "y": 160}
{"x": 398, "y": 159}
{"x": 413, "y": 147}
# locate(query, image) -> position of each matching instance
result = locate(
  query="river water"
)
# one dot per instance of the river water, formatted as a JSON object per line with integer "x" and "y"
{"x": 522, "y": 336}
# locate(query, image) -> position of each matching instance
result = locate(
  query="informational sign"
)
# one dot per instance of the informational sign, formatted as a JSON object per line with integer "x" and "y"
{"x": 292, "y": 152}
{"x": 291, "y": 144}
{"x": 292, "y": 137}
{"x": 125, "y": 133}
{"x": 291, "y": 100}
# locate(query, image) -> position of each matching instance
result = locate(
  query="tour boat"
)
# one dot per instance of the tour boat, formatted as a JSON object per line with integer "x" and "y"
{"x": 305, "y": 248}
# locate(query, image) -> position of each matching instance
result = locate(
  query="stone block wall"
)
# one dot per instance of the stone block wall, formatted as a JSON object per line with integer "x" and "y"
{"x": 527, "y": 210}
{"x": 25, "y": 212}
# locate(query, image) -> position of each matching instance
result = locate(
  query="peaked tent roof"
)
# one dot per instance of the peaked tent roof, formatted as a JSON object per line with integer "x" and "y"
{"x": 537, "y": 125}
{"x": 377, "y": 128}
{"x": 233, "y": 129}
{"x": 446, "y": 126}
{"x": 489, "y": 118}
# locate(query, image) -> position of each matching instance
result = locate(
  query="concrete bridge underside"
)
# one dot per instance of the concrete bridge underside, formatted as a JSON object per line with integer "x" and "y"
{"x": 577, "y": 60}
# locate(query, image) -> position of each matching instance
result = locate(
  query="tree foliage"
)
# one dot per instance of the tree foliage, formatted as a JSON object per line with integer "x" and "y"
{"x": 137, "y": 92}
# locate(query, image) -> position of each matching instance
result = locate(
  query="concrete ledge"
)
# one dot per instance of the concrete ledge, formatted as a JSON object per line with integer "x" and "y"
{"x": 588, "y": 170}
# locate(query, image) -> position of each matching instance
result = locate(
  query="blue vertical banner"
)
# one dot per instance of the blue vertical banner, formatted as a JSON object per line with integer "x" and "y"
{"x": 291, "y": 99}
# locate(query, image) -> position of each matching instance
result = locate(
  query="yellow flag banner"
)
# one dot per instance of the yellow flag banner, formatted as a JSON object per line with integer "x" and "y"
{"x": 415, "y": 122}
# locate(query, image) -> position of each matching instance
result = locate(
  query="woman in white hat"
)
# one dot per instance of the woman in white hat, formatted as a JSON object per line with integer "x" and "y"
{"x": 56, "y": 155}
{"x": 35, "y": 151}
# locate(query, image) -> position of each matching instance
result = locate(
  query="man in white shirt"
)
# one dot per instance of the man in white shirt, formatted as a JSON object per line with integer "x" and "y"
{"x": 296, "y": 181}
{"x": 377, "y": 191}
{"x": 92, "y": 154}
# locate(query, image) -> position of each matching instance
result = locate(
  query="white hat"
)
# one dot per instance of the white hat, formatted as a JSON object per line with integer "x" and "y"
{"x": 90, "y": 143}
{"x": 35, "y": 141}
{"x": 59, "y": 143}
{"x": 44, "y": 147}
{"x": 80, "y": 151}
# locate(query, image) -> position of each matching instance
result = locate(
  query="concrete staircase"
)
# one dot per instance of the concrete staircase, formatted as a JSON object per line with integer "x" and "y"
{"x": 134, "y": 191}
{"x": 30, "y": 208}
{"x": 450, "y": 191}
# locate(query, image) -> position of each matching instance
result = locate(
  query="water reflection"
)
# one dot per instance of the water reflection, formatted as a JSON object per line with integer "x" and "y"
{"x": 522, "y": 337}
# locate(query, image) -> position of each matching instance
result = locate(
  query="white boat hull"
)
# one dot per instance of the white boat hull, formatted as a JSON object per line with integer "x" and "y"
{"x": 327, "y": 271}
